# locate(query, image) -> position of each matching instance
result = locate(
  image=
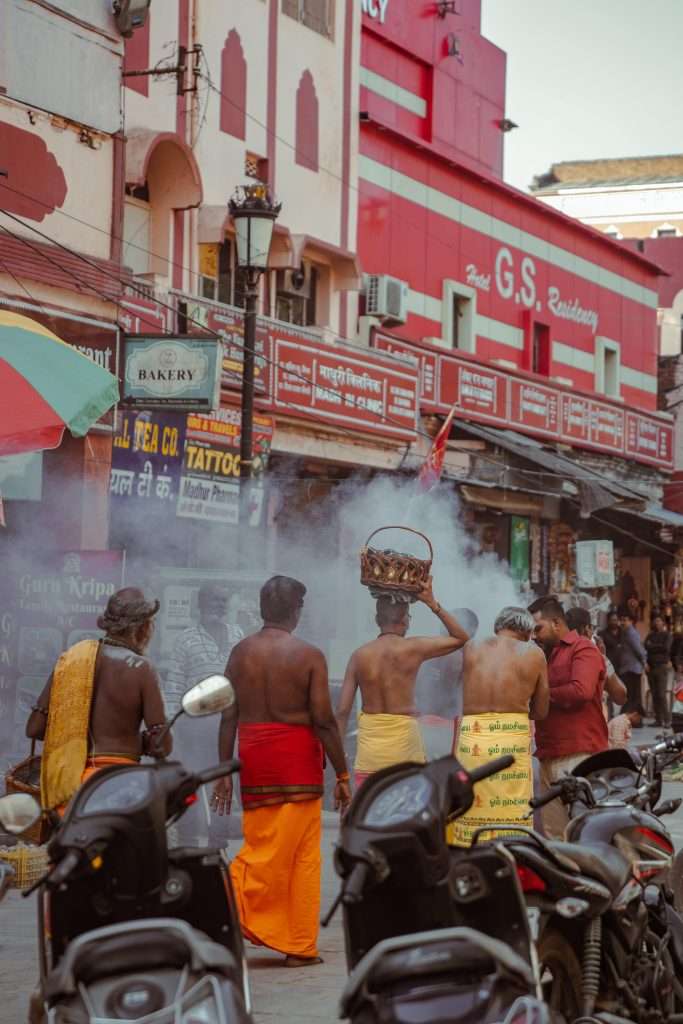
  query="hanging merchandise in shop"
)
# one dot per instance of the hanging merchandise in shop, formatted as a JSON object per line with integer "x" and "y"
{"x": 209, "y": 488}
{"x": 595, "y": 563}
{"x": 48, "y": 607}
{"x": 519, "y": 551}
{"x": 181, "y": 373}
{"x": 147, "y": 459}
{"x": 514, "y": 400}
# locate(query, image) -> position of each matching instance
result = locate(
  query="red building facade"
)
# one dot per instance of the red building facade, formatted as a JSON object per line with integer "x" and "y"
{"x": 552, "y": 325}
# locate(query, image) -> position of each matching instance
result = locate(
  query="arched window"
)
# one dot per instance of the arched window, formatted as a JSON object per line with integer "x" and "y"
{"x": 307, "y": 123}
{"x": 233, "y": 116}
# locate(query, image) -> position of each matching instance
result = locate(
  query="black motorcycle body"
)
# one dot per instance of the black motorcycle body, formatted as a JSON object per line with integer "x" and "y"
{"x": 604, "y": 894}
{"x": 128, "y": 928}
{"x": 432, "y": 933}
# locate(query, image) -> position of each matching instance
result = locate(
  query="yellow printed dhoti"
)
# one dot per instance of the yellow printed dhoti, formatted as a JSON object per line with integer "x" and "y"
{"x": 384, "y": 740}
{"x": 501, "y": 800}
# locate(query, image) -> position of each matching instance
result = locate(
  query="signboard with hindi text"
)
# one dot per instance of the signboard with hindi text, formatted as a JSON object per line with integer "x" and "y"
{"x": 511, "y": 399}
{"x": 210, "y": 482}
{"x": 147, "y": 458}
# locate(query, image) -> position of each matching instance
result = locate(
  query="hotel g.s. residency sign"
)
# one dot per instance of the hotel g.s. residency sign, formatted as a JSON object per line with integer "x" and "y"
{"x": 375, "y": 9}
{"x": 181, "y": 373}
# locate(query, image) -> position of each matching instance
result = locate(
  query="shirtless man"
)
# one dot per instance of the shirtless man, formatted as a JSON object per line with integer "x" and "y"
{"x": 98, "y": 696}
{"x": 505, "y": 684}
{"x": 285, "y": 721}
{"x": 385, "y": 670}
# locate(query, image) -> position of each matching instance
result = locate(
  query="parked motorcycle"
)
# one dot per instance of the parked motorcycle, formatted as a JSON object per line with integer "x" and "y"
{"x": 432, "y": 933}
{"x": 610, "y": 941}
{"x": 128, "y": 929}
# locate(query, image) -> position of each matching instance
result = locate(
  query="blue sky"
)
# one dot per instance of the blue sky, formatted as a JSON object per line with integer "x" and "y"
{"x": 588, "y": 79}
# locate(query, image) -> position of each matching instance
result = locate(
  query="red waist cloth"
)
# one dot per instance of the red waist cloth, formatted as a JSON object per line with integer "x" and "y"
{"x": 280, "y": 763}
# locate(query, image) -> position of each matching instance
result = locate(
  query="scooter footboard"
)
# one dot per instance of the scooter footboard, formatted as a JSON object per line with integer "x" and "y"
{"x": 446, "y": 975}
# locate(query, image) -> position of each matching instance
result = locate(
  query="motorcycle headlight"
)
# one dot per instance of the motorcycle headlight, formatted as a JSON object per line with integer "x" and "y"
{"x": 401, "y": 801}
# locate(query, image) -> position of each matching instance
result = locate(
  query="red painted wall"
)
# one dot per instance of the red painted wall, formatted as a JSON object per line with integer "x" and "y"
{"x": 233, "y": 109}
{"x": 464, "y": 96}
{"x": 136, "y": 58}
{"x": 432, "y": 208}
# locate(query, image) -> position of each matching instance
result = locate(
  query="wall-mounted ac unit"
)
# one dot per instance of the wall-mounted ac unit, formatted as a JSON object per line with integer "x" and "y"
{"x": 387, "y": 298}
{"x": 129, "y": 15}
{"x": 295, "y": 281}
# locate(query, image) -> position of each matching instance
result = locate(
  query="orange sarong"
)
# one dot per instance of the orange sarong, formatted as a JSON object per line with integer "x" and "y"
{"x": 276, "y": 874}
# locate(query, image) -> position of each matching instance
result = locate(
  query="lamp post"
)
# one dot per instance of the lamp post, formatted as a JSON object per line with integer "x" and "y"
{"x": 253, "y": 211}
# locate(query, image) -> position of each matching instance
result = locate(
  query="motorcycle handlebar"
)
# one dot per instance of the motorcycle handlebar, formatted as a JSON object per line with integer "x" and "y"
{"x": 492, "y": 768}
{"x": 545, "y": 798}
{"x": 218, "y": 771}
{"x": 354, "y": 885}
{"x": 61, "y": 871}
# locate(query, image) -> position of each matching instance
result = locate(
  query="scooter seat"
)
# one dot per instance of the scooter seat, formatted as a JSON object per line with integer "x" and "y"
{"x": 597, "y": 860}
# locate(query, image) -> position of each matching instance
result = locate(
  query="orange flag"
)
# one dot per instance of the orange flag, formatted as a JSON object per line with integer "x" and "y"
{"x": 430, "y": 471}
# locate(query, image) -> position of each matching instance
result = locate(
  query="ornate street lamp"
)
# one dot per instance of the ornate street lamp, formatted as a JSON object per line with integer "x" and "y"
{"x": 253, "y": 211}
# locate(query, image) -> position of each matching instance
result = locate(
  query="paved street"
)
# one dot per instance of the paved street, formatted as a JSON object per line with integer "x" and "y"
{"x": 307, "y": 995}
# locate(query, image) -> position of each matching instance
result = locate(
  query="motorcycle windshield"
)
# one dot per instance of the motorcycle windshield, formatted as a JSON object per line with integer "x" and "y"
{"x": 123, "y": 791}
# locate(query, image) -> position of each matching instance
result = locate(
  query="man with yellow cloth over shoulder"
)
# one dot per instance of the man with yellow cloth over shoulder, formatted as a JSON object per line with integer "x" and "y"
{"x": 505, "y": 682}
{"x": 385, "y": 670}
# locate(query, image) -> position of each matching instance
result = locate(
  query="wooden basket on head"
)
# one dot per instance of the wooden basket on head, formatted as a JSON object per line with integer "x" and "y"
{"x": 388, "y": 572}
{"x": 25, "y": 778}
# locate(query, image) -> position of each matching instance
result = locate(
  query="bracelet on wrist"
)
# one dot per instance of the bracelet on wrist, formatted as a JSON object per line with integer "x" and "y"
{"x": 343, "y": 777}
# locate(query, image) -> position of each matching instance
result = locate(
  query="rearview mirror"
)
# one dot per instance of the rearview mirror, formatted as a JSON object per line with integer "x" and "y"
{"x": 18, "y": 811}
{"x": 208, "y": 697}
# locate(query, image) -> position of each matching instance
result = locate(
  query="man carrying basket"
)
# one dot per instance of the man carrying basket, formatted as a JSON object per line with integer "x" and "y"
{"x": 385, "y": 671}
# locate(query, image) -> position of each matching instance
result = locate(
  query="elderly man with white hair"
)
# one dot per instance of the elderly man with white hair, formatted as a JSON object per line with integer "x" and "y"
{"x": 505, "y": 682}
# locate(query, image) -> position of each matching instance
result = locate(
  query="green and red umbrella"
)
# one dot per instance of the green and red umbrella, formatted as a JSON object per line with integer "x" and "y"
{"x": 46, "y": 386}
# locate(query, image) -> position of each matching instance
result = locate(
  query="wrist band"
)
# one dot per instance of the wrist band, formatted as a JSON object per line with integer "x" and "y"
{"x": 343, "y": 777}
{"x": 437, "y": 609}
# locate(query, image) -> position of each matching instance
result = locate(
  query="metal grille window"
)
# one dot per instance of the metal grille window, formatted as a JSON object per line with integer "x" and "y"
{"x": 314, "y": 14}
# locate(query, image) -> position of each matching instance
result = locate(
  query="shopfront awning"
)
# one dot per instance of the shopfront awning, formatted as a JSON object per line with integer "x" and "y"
{"x": 592, "y": 490}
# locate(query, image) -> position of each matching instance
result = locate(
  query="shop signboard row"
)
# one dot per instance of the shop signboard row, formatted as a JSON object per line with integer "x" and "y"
{"x": 507, "y": 399}
{"x": 185, "y": 465}
{"x": 300, "y": 375}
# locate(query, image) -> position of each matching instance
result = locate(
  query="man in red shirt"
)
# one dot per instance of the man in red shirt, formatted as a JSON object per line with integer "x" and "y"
{"x": 575, "y": 726}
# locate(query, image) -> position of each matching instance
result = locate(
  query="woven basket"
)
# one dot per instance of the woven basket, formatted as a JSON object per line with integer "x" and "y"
{"x": 393, "y": 572}
{"x": 25, "y": 778}
{"x": 29, "y": 863}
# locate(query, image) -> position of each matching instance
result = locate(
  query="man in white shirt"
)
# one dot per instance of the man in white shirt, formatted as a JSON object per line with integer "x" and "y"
{"x": 200, "y": 651}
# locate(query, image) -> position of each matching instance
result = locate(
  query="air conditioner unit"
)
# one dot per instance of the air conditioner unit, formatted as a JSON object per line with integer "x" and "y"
{"x": 295, "y": 281}
{"x": 387, "y": 298}
{"x": 129, "y": 15}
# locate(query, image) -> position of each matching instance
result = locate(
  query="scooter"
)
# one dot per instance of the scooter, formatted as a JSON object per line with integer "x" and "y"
{"x": 128, "y": 929}
{"x": 432, "y": 933}
{"x": 610, "y": 941}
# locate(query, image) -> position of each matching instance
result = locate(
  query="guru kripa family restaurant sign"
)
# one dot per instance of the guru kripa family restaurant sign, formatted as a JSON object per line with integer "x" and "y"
{"x": 181, "y": 372}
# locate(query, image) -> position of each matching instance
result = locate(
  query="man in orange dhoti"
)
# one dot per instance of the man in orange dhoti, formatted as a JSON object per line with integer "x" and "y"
{"x": 96, "y": 698}
{"x": 283, "y": 721}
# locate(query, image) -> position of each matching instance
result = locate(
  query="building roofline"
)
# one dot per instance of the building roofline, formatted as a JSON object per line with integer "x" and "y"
{"x": 516, "y": 193}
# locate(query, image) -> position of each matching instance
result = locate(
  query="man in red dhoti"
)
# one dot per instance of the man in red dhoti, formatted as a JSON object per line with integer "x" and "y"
{"x": 284, "y": 722}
